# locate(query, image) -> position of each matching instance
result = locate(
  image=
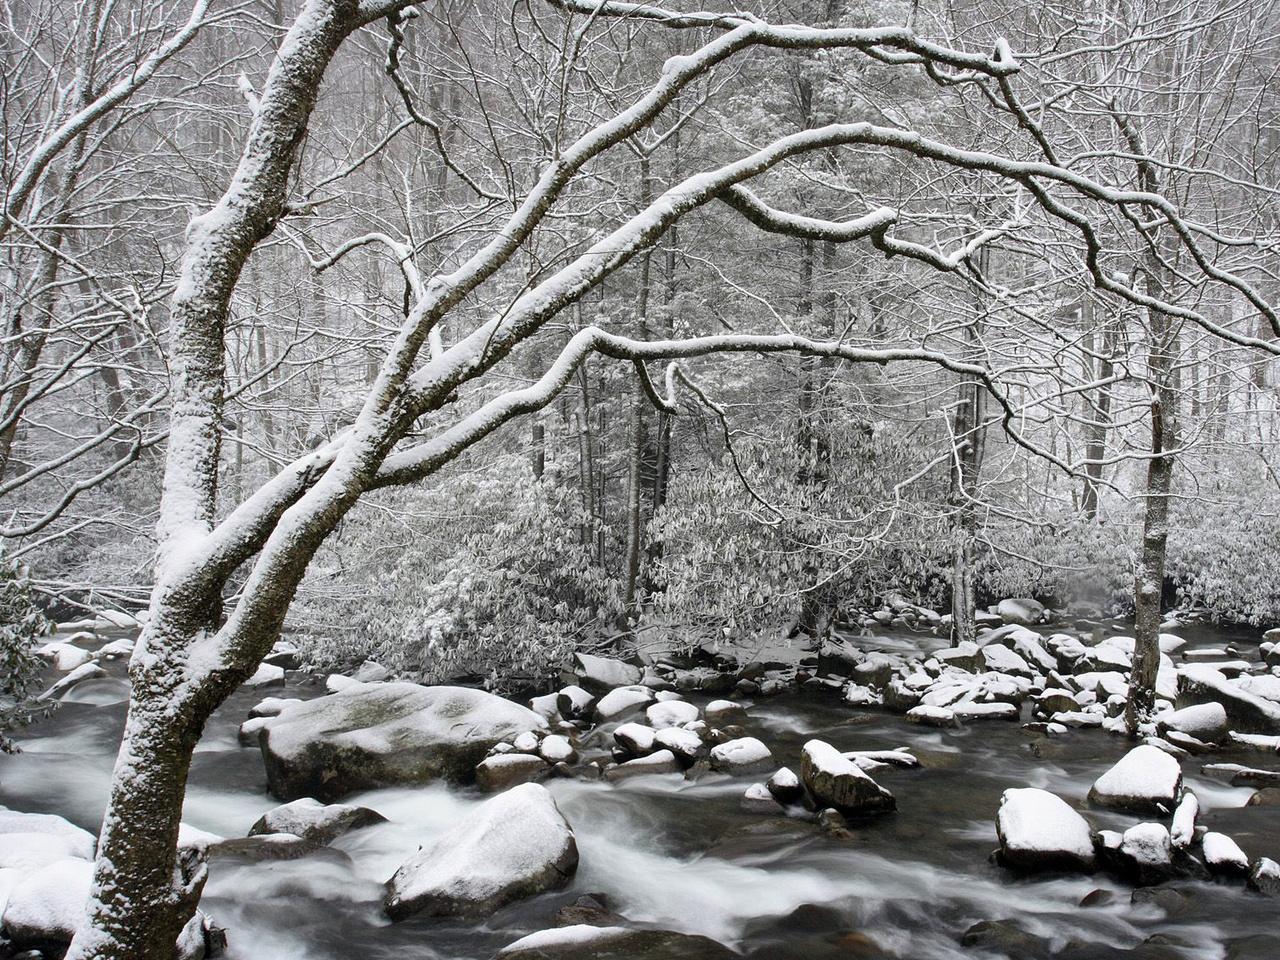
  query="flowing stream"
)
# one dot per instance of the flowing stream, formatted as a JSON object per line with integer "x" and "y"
{"x": 685, "y": 855}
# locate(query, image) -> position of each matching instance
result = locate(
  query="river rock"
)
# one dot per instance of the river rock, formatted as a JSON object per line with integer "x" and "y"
{"x": 623, "y": 702}
{"x": 1203, "y": 683}
{"x": 387, "y": 733}
{"x": 758, "y": 799}
{"x": 685, "y": 744}
{"x": 1264, "y": 878}
{"x": 601, "y": 674}
{"x": 503, "y": 770}
{"x": 1204, "y": 721}
{"x": 63, "y": 656}
{"x": 1022, "y": 611}
{"x": 1266, "y": 797}
{"x": 1183, "y": 831}
{"x": 82, "y": 673}
{"x": 1146, "y": 853}
{"x": 663, "y": 761}
{"x": 671, "y": 713}
{"x": 314, "y": 821}
{"x": 272, "y": 707}
{"x": 635, "y": 738}
{"x": 46, "y": 907}
{"x": 267, "y": 675}
{"x": 80, "y": 844}
{"x": 574, "y": 703}
{"x": 721, "y": 713}
{"x": 785, "y": 786}
{"x": 557, "y": 749}
{"x": 1223, "y": 856}
{"x": 743, "y": 755}
{"x": 1145, "y": 780}
{"x": 587, "y": 942}
{"x": 513, "y": 846}
{"x": 1039, "y": 831}
{"x": 836, "y": 781}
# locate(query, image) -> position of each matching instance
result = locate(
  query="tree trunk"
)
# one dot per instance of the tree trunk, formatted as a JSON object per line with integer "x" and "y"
{"x": 1097, "y": 413}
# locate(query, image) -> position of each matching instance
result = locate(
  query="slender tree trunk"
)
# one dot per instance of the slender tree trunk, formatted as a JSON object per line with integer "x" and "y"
{"x": 1098, "y": 412}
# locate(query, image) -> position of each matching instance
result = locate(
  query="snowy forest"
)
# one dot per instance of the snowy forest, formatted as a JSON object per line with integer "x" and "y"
{"x": 592, "y": 479}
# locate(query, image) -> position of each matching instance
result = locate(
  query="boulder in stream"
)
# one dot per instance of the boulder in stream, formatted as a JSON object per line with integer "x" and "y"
{"x": 513, "y": 846}
{"x": 743, "y": 755}
{"x": 388, "y": 733}
{"x": 1144, "y": 780}
{"x": 314, "y": 821}
{"x": 1039, "y": 831}
{"x": 836, "y": 781}
{"x": 602, "y": 674}
{"x": 588, "y": 942}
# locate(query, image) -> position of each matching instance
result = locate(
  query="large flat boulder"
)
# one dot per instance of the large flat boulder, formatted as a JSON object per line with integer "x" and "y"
{"x": 513, "y": 846}
{"x": 376, "y": 735}
{"x": 1204, "y": 683}
{"x": 1039, "y": 831}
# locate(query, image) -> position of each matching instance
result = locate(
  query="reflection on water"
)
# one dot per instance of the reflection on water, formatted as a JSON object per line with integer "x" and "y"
{"x": 683, "y": 855}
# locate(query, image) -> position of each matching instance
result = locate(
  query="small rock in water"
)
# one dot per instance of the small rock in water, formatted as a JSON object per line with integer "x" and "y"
{"x": 635, "y": 738}
{"x": 1183, "y": 831}
{"x": 1264, "y": 878}
{"x": 933, "y": 716}
{"x": 1223, "y": 856}
{"x": 685, "y": 744}
{"x": 1040, "y": 831}
{"x": 512, "y": 846}
{"x": 266, "y": 675}
{"x": 743, "y": 755}
{"x": 497, "y": 773}
{"x": 1004, "y": 938}
{"x": 1266, "y": 797}
{"x": 758, "y": 799}
{"x": 271, "y": 707}
{"x": 573, "y": 702}
{"x": 836, "y": 781}
{"x": 1145, "y": 780}
{"x": 623, "y": 702}
{"x": 526, "y": 742}
{"x": 314, "y": 821}
{"x": 663, "y": 761}
{"x": 718, "y": 713}
{"x": 557, "y": 749}
{"x": 1204, "y": 721}
{"x": 1146, "y": 853}
{"x": 671, "y": 713}
{"x": 590, "y": 942}
{"x": 785, "y": 786}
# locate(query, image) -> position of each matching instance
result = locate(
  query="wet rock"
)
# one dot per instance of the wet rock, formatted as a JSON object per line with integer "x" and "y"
{"x": 1145, "y": 780}
{"x": 1204, "y": 721}
{"x": 1146, "y": 854}
{"x": 719, "y": 713}
{"x": 259, "y": 848}
{"x": 1004, "y": 937}
{"x": 1241, "y": 776}
{"x": 836, "y": 781}
{"x": 502, "y": 771}
{"x": 1039, "y": 831}
{"x": 623, "y": 702}
{"x": 743, "y": 755}
{"x": 574, "y": 703}
{"x": 1202, "y": 683}
{"x": 1266, "y": 797}
{"x": 601, "y": 674}
{"x": 314, "y": 821}
{"x": 758, "y": 799}
{"x": 1172, "y": 902}
{"x": 587, "y": 942}
{"x": 388, "y": 733}
{"x": 1097, "y": 898}
{"x": 1223, "y": 856}
{"x": 591, "y": 909}
{"x": 1264, "y": 878}
{"x": 513, "y": 846}
{"x": 785, "y": 786}
{"x": 663, "y": 761}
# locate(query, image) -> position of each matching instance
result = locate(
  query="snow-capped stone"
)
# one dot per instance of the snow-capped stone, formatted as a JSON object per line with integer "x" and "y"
{"x": 48, "y": 905}
{"x": 659, "y": 762}
{"x": 1039, "y": 831}
{"x": 545, "y": 706}
{"x": 1183, "y": 831}
{"x": 337, "y": 682}
{"x": 1204, "y": 721}
{"x": 685, "y": 744}
{"x": 758, "y": 799}
{"x": 1021, "y": 610}
{"x": 836, "y": 781}
{"x": 785, "y": 787}
{"x": 86, "y": 671}
{"x": 1223, "y": 855}
{"x": 63, "y": 656}
{"x": 557, "y": 749}
{"x": 1144, "y": 780}
{"x": 1242, "y": 776}
{"x": 573, "y": 702}
{"x": 1055, "y": 700}
{"x": 1202, "y": 683}
{"x": 743, "y": 755}
{"x": 602, "y": 674}
{"x": 856, "y": 695}
{"x": 584, "y": 941}
{"x": 386, "y": 733}
{"x": 1264, "y": 878}
{"x": 635, "y": 738}
{"x": 721, "y": 713}
{"x": 266, "y": 675}
{"x": 116, "y": 649}
{"x": 30, "y": 851}
{"x": 933, "y": 716}
{"x": 503, "y": 770}
{"x": 81, "y": 843}
{"x": 272, "y": 706}
{"x": 251, "y": 730}
{"x": 985, "y": 711}
{"x": 1264, "y": 685}
{"x": 526, "y": 742}
{"x": 314, "y": 821}
{"x": 512, "y": 846}
{"x": 623, "y": 702}
{"x": 1264, "y": 743}
{"x": 371, "y": 672}
{"x": 1146, "y": 853}
{"x": 284, "y": 654}
{"x": 670, "y": 713}
{"x": 1003, "y": 660}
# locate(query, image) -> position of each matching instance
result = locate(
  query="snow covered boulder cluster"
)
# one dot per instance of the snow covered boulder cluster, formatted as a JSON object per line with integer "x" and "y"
{"x": 46, "y": 870}
{"x": 1039, "y": 831}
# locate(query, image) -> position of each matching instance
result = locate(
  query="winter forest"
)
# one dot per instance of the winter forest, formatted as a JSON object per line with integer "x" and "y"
{"x": 593, "y": 479}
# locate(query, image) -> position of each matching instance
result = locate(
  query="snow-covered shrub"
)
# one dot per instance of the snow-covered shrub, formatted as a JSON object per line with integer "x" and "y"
{"x": 22, "y": 624}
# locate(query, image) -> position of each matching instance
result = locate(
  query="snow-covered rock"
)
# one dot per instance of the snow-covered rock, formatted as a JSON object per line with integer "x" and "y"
{"x": 1223, "y": 855}
{"x": 1183, "y": 831}
{"x": 757, "y": 799}
{"x": 1146, "y": 853}
{"x": 1021, "y": 610}
{"x": 272, "y": 706}
{"x": 933, "y": 716}
{"x": 585, "y": 942}
{"x": 743, "y": 755}
{"x": 1203, "y": 683}
{"x": 659, "y": 762}
{"x": 1039, "y": 831}
{"x": 670, "y": 713}
{"x": 1003, "y": 660}
{"x": 623, "y": 702}
{"x": 513, "y": 846}
{"x": 635, "y": 738}
{"x": 685, "y": 744}
{"x": 30, "y": 851}
{"x": 337, "y": 683}
{"x": 504, "y": 770}
{"x": 267, "y": 675}
{"x": 836, "y": 781}
{"x": 785, "y": 786}
{"x": 545, "y": 706}
{"x": 371, "y": 672}
{"x": 573, "y": 702}
{"x": 557, "y": 749}
{"x": 1264, "y": 685}
{"x": 80, "y": 843}
{"x": 720, "y": 713}
{"x": 1264, "y": 878}
{"x": 48, "y": 904}
{"x": 63, "y": 656}
{"x": 314, "y": 821}
{"x": 386, "y": 733}
{"x": 1144, "y": 780}
{"x": 86, "y": 671}
{"x": 602, "y": 674}
{"x": 1204, "y": 721}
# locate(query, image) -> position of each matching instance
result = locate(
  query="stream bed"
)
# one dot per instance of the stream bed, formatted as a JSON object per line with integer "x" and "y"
{"x": 686, "y": 856}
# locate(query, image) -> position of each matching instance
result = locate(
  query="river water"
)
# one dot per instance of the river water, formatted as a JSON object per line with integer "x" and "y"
{"x": 685, "y": 856}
